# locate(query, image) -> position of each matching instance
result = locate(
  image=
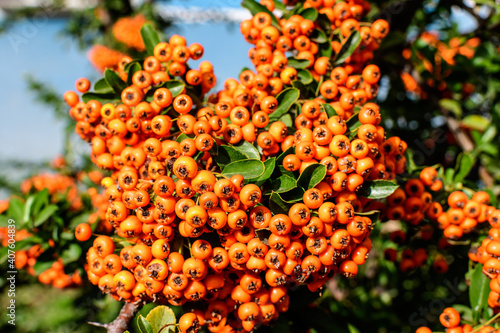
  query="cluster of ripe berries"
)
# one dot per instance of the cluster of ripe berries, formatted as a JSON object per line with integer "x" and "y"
{"x": 195, "y": 235}
{"x": 450, "y": 319}
{"x": 416, "y": 202}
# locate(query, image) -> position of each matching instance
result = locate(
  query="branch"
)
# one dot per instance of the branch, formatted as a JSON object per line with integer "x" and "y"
{"x": 121, "y": 323}
{"x": 463, "y": 140}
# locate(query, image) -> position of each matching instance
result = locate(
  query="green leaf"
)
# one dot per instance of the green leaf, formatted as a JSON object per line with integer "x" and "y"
{"x": 377, "y": 189}
{"x": 280, "y": 170}
{"x": 247, "y": 168}
{"x": 296, "y": 194}
{"x": 465, "y": 312}
{"x": 304, "y": 76}
{"x": 283, "y": 184}
{"x": 298, "y": 63}
{"x": 27, "y": 208}
{"x": 352, "y": 125}
{"x": 449, "y": 173}
{"x": 325, "y": 49}
{"x": 465, "y": 162}
{"x": 150, "y": 37}
{"x": 309, "y": 14}
{"x": 348, "y": 47}
{"x": 286, "y": 98}
{"x": 255, "y": 8}
{"x": 42, "y": 266}
{"x": 175, "y": 86}
{"x": 45, "y": 214}
{"x": 330, "y": 110}
{"x": 144, "y": 325}
{"x": 287, "y": 120}
{"x": 281, "y": 157}
{"x": 279, "y": 5}
{"x": 4, "y": 221}
{"x": 103, "y": 98}
{"x": 228, "y": 154}
{"x": 41, "y": 199}
{"x": 114, "y": 81}
{"x": 489, "y": 134}
{"x": 183, "y": 136}
{"x": 352, "y": 329}
{"x": 278, "y": 205}
{"x": 269, "y": 165}
{"x": 247, "y": 149}
{"x": 16, "y": 211}
{"x": 451, "y": 106}
{"x": 162, "y": 318}
{"x": 312, "y": 176}
{"x": 324, "y": 23}
{"x": 319, "y": 36}
{"x": 476, "y": 122}
{"x": 102, "y": 86}
{"x": 305, "y": 90}
{"x": 71, "y": 254}
{"x": 479, "y": 290}
{"x": 130, "y": 69}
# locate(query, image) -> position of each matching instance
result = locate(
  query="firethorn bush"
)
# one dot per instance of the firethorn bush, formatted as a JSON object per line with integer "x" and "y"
{"x": 282, "y": 199}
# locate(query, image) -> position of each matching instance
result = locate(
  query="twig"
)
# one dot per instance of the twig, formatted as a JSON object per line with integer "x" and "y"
{"x": 463, "y": 140}
{"x": 121, "y": 323}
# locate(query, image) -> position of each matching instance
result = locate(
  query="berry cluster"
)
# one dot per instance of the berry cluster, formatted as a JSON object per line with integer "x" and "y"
{"x": 417, "y": 204}
{"x": 188, "y": 230}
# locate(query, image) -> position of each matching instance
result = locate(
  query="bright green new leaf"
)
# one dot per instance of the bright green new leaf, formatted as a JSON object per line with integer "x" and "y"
{"x": 476, "y": 122}
{"x": 451, "y": 106}
{"x": 162, "y": 318}
{"x": 144, "y": 325}
{"x": 465, "y": 162}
